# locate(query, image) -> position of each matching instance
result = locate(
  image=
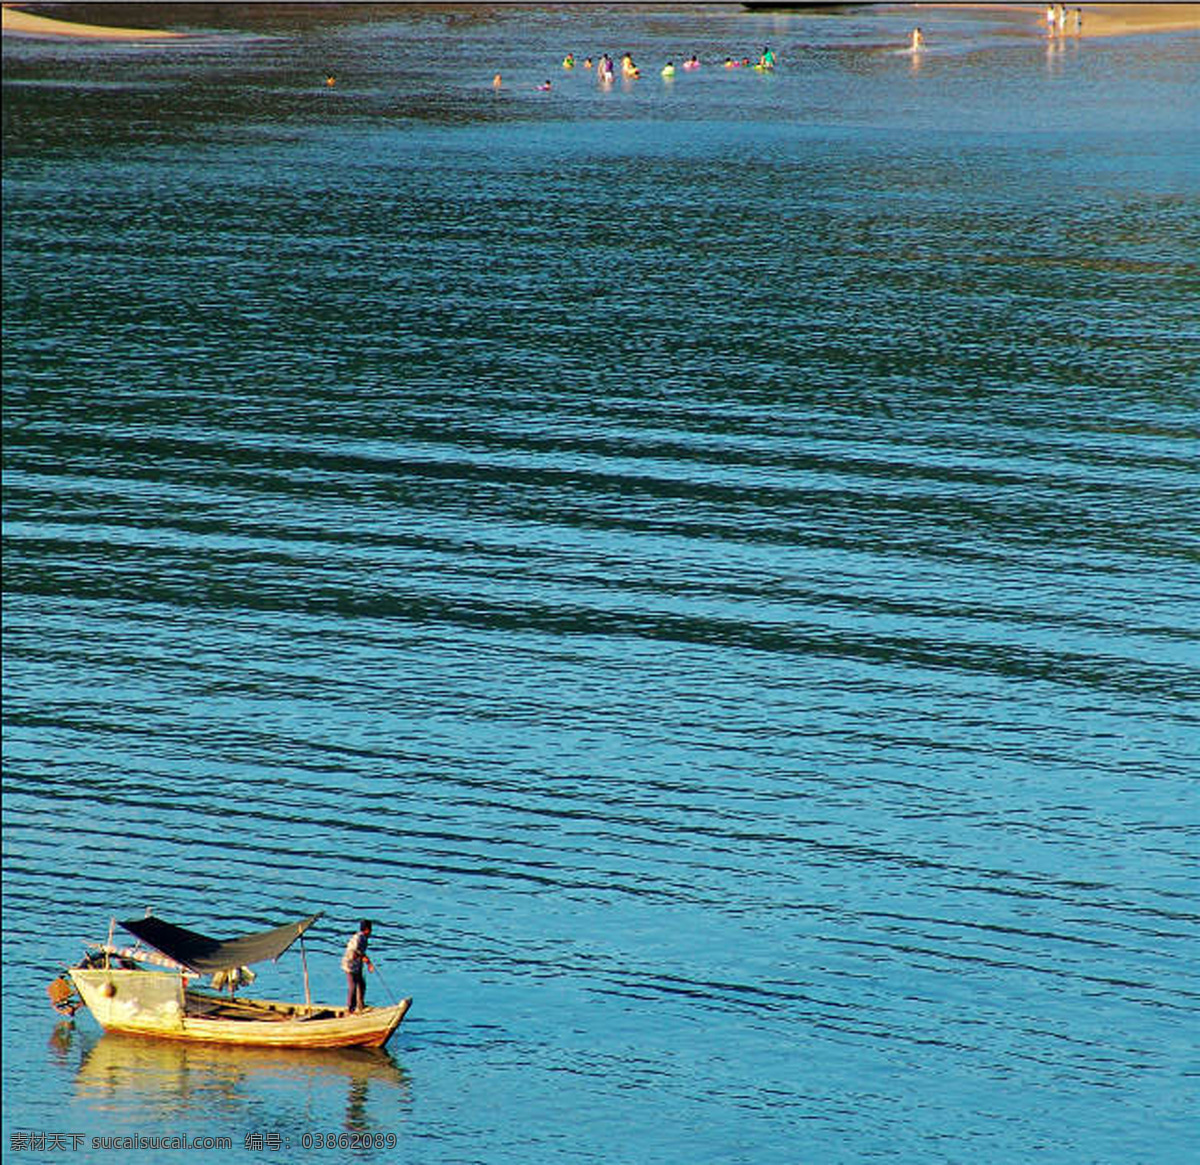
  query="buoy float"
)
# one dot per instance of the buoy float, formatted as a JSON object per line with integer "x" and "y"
{"x": 63, "y": 998}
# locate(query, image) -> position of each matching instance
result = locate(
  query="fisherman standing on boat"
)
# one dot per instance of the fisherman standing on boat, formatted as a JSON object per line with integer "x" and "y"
{"x": 352, "y": 964}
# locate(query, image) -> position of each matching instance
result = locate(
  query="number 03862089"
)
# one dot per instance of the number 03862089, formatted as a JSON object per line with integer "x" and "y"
{"x": 348, "y": 1141}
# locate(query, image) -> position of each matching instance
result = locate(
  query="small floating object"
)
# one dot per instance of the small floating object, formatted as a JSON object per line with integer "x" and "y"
{"x": 330, "y": 80}
{"x": 63, "y": 998}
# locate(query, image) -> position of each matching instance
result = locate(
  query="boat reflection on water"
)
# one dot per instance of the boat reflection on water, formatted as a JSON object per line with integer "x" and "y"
{"x": 62, "y": 1038}
{"x": 125, "y": 1073}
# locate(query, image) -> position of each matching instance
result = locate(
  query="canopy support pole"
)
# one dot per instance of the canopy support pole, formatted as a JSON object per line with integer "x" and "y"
{"x": 304, "y": 964}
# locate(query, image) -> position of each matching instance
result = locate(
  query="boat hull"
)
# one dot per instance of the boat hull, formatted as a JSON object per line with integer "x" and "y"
{"x": 159, "y": 1005}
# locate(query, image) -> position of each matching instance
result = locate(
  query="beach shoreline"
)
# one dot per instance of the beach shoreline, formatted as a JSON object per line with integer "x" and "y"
{"x": 1097, "y": 20}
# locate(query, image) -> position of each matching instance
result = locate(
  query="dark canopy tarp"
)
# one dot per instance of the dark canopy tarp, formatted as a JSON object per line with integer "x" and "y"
{"x": 206, "y": 955}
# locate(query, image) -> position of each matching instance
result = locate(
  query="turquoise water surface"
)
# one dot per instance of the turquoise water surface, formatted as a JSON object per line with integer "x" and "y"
{"x": 711, "y": 567}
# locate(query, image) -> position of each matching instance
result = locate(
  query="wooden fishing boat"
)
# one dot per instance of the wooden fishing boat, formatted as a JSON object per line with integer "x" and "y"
{"x": 125, "y": 991}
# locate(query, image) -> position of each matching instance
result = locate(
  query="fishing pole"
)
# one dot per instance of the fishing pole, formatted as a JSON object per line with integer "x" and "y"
{"x": 384, "y": 983}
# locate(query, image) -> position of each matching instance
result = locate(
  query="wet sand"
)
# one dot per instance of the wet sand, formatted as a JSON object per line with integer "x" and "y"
{"x": 1098, "y": 19}
{"x": 1124, "y": 19}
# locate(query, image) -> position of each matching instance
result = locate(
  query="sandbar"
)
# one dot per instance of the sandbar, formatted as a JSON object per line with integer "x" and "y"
{"x": 29, "y": 24}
